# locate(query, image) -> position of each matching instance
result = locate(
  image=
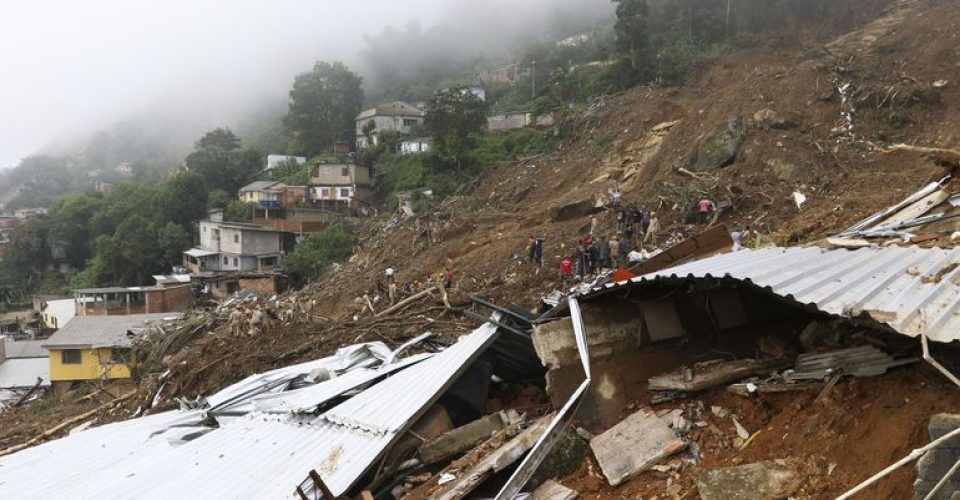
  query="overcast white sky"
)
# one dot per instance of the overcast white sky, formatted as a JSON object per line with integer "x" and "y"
{"x": 70, "y": 67}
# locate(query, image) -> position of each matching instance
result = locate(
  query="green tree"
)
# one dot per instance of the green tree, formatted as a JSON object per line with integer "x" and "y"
{"x": 123, "y": 200}
{"x": 220, "y": 161}
{"x": 314, "y": 255}
{"x": 291, "y": 172}
{"x": 218, "y": 198}
{"x": 632, "y": 31}
{"x": 323, "y": 105}
{"x": 181, "y": 200}
{"x": 452, "y": 116}
{"x": 70, "y": 228}
{"x": 174, "y": 239}
{"x": 27, "y": 254}
{"x": 132, "y": 254}
{"x": 240, "y": 211}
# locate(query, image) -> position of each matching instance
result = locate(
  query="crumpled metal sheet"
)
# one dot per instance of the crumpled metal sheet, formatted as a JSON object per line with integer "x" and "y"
{"x": 913, "y": 290}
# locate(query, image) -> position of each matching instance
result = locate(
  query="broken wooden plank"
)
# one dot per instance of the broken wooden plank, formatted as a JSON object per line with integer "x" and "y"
{"x": 915, "y": 209}
{"x": 840, "y": 242}
{"x": 939, "y": 155}
{"x": 771, "y": 388}
{"x": 713, "y": 373}
{"x": 495, "y": 462}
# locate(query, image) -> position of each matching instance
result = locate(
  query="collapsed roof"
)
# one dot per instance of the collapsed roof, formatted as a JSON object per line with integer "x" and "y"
{"x": 912, "y": 290}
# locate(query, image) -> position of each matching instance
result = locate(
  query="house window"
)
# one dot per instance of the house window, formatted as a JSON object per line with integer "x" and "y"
{"x": 344, "y": 192}
{"x": 71, "y": 356}
{"x": 236, "y": 261}
{"x": 236, "y": 238}
{"x": 409, "y": 122}
{"x": 226, "y": 261}
{"x": 345, "y": 171}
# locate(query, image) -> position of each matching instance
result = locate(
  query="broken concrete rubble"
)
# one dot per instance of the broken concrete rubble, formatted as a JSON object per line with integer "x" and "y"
{"x": 768, "y": 480}
{"x": 635, "y": 444}
{"x": 936, "y": 463}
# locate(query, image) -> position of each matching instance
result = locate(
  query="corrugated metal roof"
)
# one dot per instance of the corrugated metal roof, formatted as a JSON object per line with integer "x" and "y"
{"x": 69, "y": 467}
{"x": 255, "y": 456}
{"x": 307, "y": 399}
{"x": 16, "y": 349}
{"x": 258, "y": 186}
{"x": 910, "y": 289}
{"x": 102, "y": 331}
{"x": 360, "y": 430}
{"x": 24, "y": 372}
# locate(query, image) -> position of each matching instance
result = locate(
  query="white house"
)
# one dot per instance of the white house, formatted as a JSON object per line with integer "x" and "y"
{"x": 414, "y": 145}
{"x": 396, "y": 116}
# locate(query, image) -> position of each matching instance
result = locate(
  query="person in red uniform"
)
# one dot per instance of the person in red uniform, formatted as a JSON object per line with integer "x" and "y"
{"x": 566, "y": 272}
{"x": 448, "y": 278}
{"x": 704, "y": 209}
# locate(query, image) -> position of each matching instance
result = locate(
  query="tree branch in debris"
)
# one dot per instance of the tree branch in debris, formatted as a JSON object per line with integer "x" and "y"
{"x": 405, "y": 302}
{"x": 699, "y": 177}
{"x": 65, "y": 424}
{"x": 942, "y": 156}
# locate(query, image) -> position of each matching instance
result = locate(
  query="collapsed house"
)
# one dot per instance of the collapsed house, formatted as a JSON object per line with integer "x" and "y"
{"x": 753, "y": 322}
{"x": 332, "y": 425}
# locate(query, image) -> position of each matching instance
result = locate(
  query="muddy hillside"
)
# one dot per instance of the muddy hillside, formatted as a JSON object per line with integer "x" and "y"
{"x": 768, "y": 373}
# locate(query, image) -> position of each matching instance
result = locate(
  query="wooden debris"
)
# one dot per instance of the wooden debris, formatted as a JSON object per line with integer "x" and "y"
{"x": 942, "y": 156}
{"x": 405, "y": 302}
{"x": 65, "y": 424}
{"x": 713, "y": 373}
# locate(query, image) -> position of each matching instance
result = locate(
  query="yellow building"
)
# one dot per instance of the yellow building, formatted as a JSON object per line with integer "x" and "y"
{"x": 96, "y": 348}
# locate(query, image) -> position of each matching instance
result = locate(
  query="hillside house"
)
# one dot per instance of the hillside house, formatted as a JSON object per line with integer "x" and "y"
{"x": 235, "y": 246}
{"x": 414, "y": 145}
{"x": 274, "y": 160}
{"x": 338, "y": 187}
{"x": 222, "y": 287}
{"x": 123, "y": 301}
{"x": 264, "y": 193}
{"x": 396, "y": 116}
{"x": 26, "y": 213}
{"x": 273, "y": 194}
{"x": 508, "y": 73}
{"x": 96, "y": 348}
{"x": 511, "y": 120}
{"x": 297, "y": 220}
{"x": 23, "y": 365}
{"x": 125, "y": 170}
{"x": 54, "y": 312}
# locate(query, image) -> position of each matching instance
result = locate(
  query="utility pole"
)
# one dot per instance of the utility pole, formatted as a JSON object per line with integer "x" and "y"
{"x": 726, "y": 26}
{"x": 533, "y": 79}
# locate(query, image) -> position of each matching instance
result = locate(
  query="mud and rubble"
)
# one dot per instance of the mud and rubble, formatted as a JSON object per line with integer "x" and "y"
{"x": 757, "y": 127}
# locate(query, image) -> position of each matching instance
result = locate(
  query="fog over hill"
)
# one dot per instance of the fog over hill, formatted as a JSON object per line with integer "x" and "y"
{"x": 179, "y": 67}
